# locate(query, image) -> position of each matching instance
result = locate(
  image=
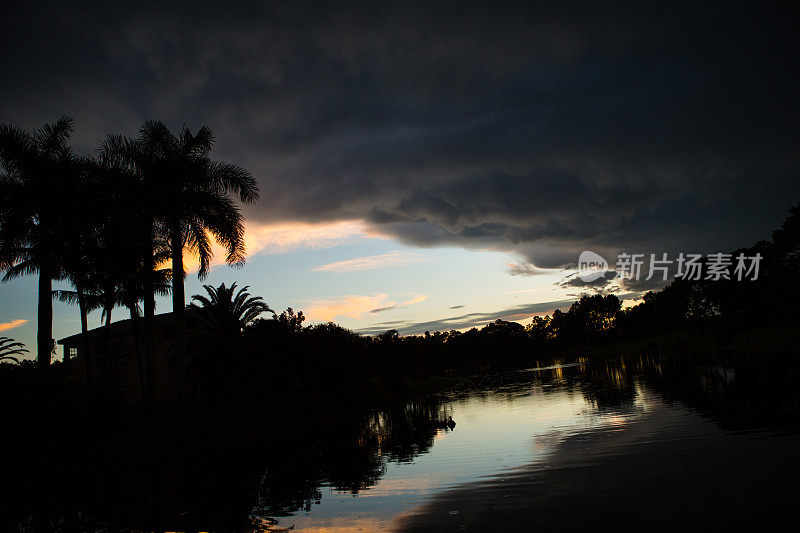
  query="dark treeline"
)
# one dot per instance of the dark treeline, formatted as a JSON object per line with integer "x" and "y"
{"x": 727, "y": 304}
{"x": 281, "y": 353}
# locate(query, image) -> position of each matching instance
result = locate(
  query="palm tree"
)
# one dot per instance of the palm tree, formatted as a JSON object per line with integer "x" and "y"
{"x": 131, "y": 293}
{"x": 218, "y": 321}
{"x": 110, "y": 250}
{"x": 9, "y": 349}
{"x": 134, "y": 160}
{"x": 87, "y": 300}
{"x": 129, "y": 290}
{"x": 81, "y": 252}
{"x": 200, "y": 204}
{"x": 35, "y": 189}
{"x": 225, "y": 312}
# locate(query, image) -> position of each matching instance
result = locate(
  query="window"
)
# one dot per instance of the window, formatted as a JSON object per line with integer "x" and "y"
{"x": 73, "y": 352}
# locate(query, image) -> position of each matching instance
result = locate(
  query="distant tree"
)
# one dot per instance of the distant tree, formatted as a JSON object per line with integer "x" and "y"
{"x": 390, "y": 336}
{"x": 556, "y": 325}
{"x": 538, "y": 330}
{"x": 786, "y": 240}
{"x": 290, "y": 321}
{"x": 588, "y": 320}
{"x": 595, "y": 313}
{"x": 504, "y": 328}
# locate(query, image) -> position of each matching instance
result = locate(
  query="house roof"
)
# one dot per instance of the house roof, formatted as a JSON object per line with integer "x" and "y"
{"x": 120, "y": 328}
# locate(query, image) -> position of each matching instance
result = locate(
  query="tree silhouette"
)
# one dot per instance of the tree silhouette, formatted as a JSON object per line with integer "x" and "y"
{"x": 199, "y": 204}
{"x": 226, "y": 311}
{"x": 138, "y": 166}
{"x": 218, "y": 322}
{"x": 40, "y": 170}
{"x": 79, "y": 257}
{"x": 9, "y": 349}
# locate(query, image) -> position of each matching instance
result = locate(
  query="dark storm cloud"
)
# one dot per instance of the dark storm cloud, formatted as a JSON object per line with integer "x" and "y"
{"x": 539, "y": 129}
{"x": 605, "y": 286}
{"x": 469, "y": 320}
{"x": 573, "y": 280}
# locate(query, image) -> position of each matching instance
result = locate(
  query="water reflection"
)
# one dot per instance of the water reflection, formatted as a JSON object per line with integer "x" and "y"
{"x": 349, "y": 458}
{"x": 682, "y": 442}
{"x": 526, "y": 420}
{"x": 579, "y": 432}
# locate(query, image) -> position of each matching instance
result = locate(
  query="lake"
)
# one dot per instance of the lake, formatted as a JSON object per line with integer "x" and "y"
{"x": 645, "y": 443}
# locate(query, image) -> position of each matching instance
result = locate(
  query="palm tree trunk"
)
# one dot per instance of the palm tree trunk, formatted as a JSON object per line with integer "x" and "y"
{"x": 84, "y": 353}
{"x": 178, "y": 304}
{"x": 108, "y": 307}
{"x": 106, "y": 365}
{"x": 44, "y": 332}
{"x": 138, "y": 350}
{"x": 149, "y": 313}
{"x": 107, "y": 331}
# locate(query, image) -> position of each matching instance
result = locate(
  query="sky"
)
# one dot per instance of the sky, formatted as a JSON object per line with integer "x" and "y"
{"x": 434, "y": 165}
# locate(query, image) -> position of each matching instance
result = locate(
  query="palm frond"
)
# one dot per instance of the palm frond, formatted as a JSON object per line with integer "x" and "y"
{"x": 24, "y": 268}
{"x": 199, "y": 243}
{"x": 235, "y": 180}
{"x": 17, "y": 149}
{"x": 9, "y": 348}
{"x": 51, "y": 139}
{"x": 198, "y": 144}
{"x": 67, "y": 297}
{"x": 224, "y": 312}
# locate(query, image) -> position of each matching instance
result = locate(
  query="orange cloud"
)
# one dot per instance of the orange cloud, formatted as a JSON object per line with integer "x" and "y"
{"x": 13, "y": 324}
{"x": 415, "y": 300}
{"x": 355, "y": 306}
{"x": 285, "y": 237}
{"x": 351, "y": 306}
{"x": 370, "y": 262}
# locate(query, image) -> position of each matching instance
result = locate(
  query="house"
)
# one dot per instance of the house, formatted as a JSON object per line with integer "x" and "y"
{"x": 116, "y": 354}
